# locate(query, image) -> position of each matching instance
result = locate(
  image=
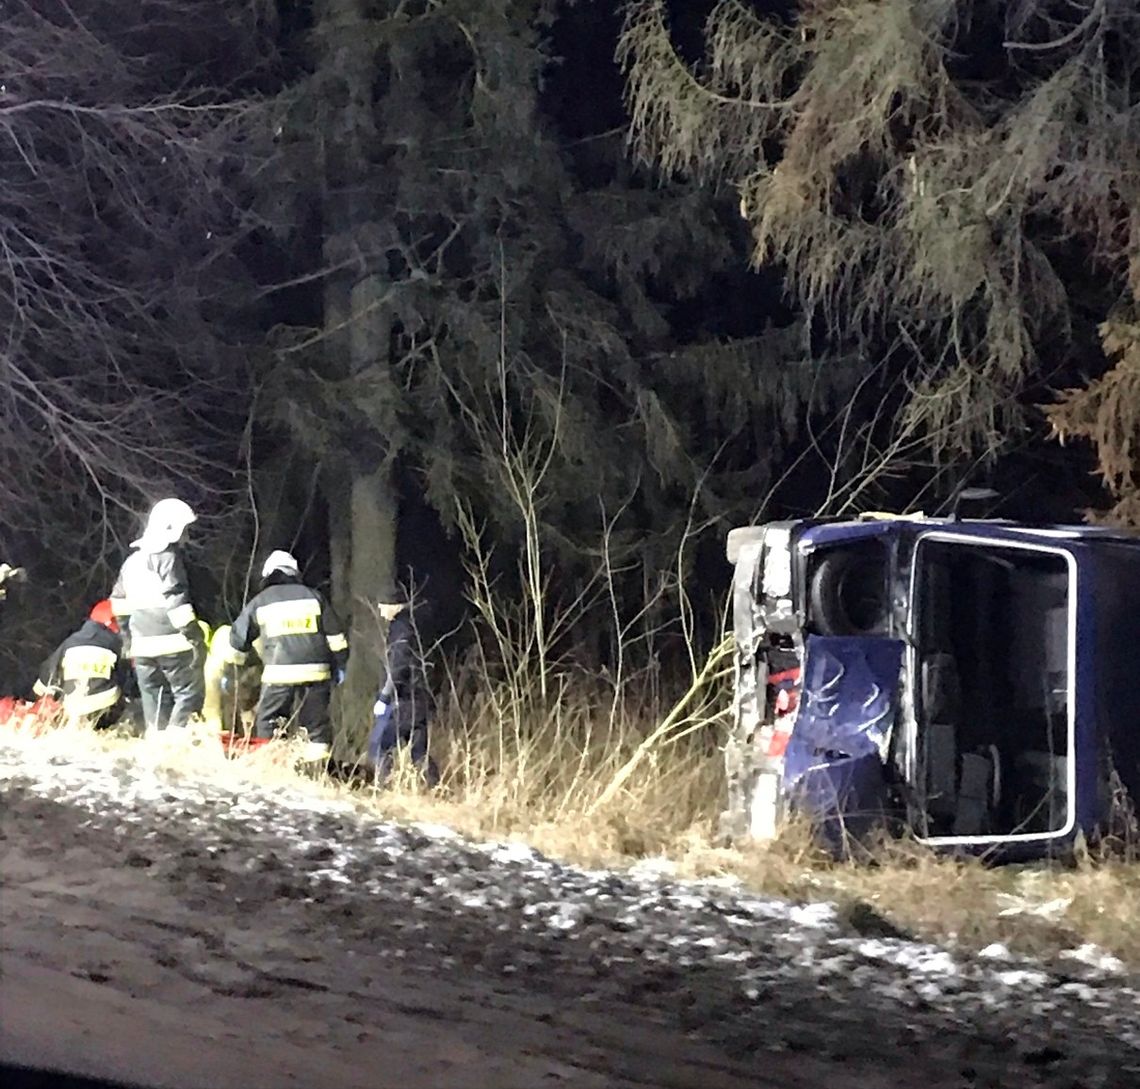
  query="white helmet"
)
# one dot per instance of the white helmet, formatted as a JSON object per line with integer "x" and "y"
{"x": 165, "y": 525}
{"x": 280, "y": 561}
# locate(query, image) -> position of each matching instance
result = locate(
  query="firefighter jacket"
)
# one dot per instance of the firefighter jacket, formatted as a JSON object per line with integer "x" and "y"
{"x": 301, "y": 638}
{"x": 151, "y": 601}
{"x": 89, "y": 668}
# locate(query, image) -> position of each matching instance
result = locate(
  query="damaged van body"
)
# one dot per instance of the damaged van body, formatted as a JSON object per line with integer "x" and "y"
{"x": 974, "y": 682}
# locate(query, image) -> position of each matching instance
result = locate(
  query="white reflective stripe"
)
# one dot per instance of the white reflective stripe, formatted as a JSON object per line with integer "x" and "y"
{"x": 337, "y": 643}
{"x": 119, "y": 606}
{"x": 182, "y": 616}
{"x": 295, "y": 674}
{"x": 157, "y": 646}
{"x": 82, "y": 663}
{"x": 40, "y": 689}
{"x": 301, "y": 616}
{"x": 83, "y": 704}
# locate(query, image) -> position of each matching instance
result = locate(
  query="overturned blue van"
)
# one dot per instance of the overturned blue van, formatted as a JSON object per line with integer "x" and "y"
{"x": 975, "y": 683}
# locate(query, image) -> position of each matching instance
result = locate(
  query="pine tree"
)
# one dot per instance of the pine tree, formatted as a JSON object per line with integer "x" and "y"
{"x": 486, "y": 284}
{"x": 1106, "y": 412}
{"x": 959, "y": 176}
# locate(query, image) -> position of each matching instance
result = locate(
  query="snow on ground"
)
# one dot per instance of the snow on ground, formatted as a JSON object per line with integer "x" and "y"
{"x": 527, "y": 907}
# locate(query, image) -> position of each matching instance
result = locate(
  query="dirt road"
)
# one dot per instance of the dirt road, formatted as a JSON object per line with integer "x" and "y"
{"x": 109, "y": 971}
{"x": 141, "y": 943}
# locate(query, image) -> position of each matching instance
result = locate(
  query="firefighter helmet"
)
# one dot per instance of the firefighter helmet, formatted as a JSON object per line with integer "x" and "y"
{"x": 102, "y": 613}
{"x": 280, "y": 561}
{"x": 165, "y": 524}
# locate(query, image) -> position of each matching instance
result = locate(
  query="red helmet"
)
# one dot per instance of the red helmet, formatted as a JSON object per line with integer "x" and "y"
{"x": 103, "y": 614}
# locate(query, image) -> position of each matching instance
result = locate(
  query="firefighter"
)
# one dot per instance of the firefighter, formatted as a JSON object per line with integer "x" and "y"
{"x": 403, "y": 708}
{"x": 10, "y": 574}
{"x": 303, "y": 651}
{"x": 88, "y": 671}
{"x": 151, "y": 601}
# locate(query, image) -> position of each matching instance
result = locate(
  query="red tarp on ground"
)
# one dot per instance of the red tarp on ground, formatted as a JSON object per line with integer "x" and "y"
{"x": 238, "y": 743}
{"x": 36, "y": 718}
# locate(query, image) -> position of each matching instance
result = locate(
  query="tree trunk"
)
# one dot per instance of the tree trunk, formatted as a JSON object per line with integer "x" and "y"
{"x": 369, "y": 575}
{"x": 363, "y": 506}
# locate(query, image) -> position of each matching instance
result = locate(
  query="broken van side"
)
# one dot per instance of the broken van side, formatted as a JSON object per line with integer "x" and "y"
{"x": 971, "y": 681}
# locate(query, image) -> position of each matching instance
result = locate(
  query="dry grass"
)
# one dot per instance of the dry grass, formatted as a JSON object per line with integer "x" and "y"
{"x": 548, "y": 782}
{"x": 542, "y": 785}
{"x": 1037, "y": 910}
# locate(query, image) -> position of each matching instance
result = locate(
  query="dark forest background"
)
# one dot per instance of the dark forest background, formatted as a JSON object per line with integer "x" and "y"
{"x": 396, "y": 285}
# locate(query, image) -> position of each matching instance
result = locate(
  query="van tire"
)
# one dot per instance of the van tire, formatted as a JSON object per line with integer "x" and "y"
{"x": 829, "y": 596}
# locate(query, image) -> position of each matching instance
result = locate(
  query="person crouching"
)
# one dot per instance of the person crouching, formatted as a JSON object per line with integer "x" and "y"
{"x": 88, "y": 672}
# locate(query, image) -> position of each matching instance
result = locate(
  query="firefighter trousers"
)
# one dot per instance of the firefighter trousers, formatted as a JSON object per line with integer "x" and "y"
{"x": 289, "y": 706}
{"x": 172, "y": 689}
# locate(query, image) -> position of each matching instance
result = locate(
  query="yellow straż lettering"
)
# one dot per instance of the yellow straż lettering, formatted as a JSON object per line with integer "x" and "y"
{"x": 87, "y": 662}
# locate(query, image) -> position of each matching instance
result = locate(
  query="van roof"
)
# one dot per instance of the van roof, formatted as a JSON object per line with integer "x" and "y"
{"x": 996, "y": 529}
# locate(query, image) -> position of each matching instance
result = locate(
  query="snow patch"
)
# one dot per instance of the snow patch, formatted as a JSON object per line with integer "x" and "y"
{"x": 1095, "y": 957}
{"x": 329, "y": 848}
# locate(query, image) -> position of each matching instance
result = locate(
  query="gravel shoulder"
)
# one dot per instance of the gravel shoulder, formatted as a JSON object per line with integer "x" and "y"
{"x": 163, "y": 929}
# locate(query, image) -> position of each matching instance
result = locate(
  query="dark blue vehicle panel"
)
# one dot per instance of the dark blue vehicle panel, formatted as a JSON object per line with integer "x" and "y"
{"x": 1112, "y": 649}
{"x": 859, "y": 746}
{"x": 834, "y": 767}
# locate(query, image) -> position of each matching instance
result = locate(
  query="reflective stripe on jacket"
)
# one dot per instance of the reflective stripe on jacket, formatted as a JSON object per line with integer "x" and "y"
{"x": 90, "y": 703}
{"x": 300, "y": 636}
